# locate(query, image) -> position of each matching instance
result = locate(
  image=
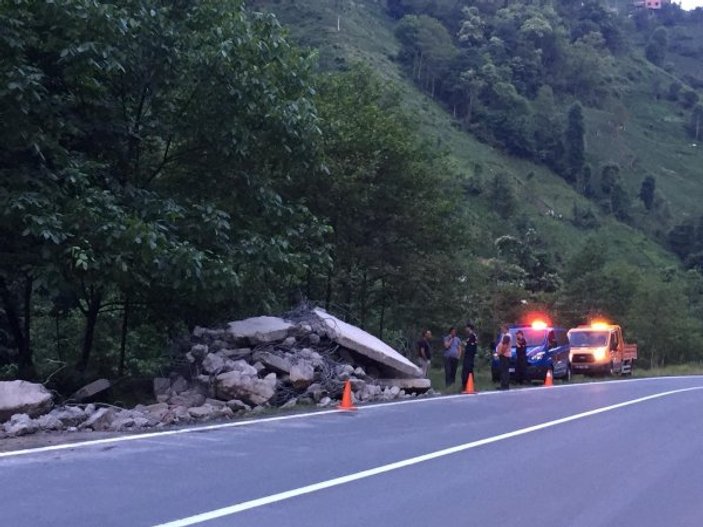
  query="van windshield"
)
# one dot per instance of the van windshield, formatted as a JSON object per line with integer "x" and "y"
{"x": 588, "y": 339}
{"x": 534, "y": 337}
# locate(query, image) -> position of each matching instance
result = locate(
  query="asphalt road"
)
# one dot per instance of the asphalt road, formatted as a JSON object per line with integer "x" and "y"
{"x": 616, "y": 453}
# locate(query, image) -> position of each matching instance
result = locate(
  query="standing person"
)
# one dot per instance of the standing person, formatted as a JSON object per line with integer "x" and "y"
{"x": 504, "y": 350}
{"x": 505, "y": 330}
{"x": 470, "y": 348}
{"x": 521, "y": 356}
{"x": 424, "y": 352}
{"x": 452, "y": 351}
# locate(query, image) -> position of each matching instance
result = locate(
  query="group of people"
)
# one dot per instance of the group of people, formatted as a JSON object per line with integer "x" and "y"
{"x": 457, "y": 350}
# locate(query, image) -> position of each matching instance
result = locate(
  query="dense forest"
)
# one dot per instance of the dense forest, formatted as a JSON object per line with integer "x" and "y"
{"x": 169, "y": 164}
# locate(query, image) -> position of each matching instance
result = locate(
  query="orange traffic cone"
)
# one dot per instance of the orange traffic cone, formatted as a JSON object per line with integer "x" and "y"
{"x": 347, "y": 403}
{"x": 469, "y": 389}
{"x": 548, "y": 381}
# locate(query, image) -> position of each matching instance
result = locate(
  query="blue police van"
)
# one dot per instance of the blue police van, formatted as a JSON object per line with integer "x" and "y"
{"x": 547, "y": 349}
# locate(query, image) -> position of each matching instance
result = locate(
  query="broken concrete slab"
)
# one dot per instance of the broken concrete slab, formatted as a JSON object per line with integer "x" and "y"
{"x": 358, "y": 340}
{"x": 89, "y": 391}
{"x": 22, "y": 397}
{"x": 260, "y": 330}
{"x": 409, "y": 385}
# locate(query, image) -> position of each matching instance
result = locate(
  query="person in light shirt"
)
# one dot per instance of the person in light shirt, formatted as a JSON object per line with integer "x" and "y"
{"x": 504, "y": 350}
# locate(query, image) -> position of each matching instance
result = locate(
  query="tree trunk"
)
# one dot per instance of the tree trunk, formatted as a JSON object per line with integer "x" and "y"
{"x": 328, "y": 290}
{"x": 123, "y": 339}
{"x": 57, "y": 316}
{"x": 383, "y": 310}
{"x": 19, "y": 328}
{"x": 91, "y": 319}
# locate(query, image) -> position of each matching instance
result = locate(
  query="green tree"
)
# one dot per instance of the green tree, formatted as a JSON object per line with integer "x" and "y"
{"x": 647, "y": 190}
{"x": 695, "y": 123}
{"x": 391, "y": 202}
{"x": 575, "y": 142}
{"x": 156, "y": 154}
{"x": 657, "y": 46}
{"x": 501, "y": 195}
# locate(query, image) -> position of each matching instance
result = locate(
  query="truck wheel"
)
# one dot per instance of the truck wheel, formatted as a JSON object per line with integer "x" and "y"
{"x": 567, "y": 376}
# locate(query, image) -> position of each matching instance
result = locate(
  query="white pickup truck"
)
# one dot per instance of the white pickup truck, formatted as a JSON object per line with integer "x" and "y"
{"x": 599, "y": 348}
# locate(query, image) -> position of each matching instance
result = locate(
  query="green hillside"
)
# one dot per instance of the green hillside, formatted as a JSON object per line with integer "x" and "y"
{"x": 366, "y": 34}
{"x": 632, "y": 124}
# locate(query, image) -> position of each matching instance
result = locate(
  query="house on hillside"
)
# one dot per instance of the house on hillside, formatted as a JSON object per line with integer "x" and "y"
{"x": 650, "y": 4}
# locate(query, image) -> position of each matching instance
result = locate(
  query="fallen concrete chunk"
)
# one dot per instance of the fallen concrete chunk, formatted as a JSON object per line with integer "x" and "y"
{"x": 179, "y": 384}
{"x": 367, "y": 345}
{"x": 91, "y": 390}
{"x": 202, "y": 412}
{"x": 69, "y": 415}
{"x": 100, "y": 420}
{"x": 162, "y": 387}
{"x": 22, "y": 397}
{"x": 49, "y": 422}
{"x": 302, "y": 375}
{"x": 260, "y": 330}
{"x": 409, "y": 385}
{"x": 20, "y": 425}
{"x": 188, "y": 399}
{"x": 238, "y": 406}
{"x": 255, "y": 391}
{"x": 273, "y": 362}
{"x": 213, "y": 363}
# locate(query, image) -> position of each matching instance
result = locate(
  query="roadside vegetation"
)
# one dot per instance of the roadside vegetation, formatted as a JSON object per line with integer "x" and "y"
{"x": 403, "y": 165}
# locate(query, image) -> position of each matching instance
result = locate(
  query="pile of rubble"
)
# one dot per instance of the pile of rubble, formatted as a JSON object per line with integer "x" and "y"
{"x": 248, "y": 367}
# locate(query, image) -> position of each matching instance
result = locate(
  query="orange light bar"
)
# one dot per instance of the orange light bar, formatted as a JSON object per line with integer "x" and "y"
{"x": 539, "y": 324}
{"x": 600, "y": 325}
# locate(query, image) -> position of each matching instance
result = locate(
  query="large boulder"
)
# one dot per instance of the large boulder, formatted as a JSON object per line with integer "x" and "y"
{"x": 22, "y": 397}
{"x": 364, "y": 343}
{"x": 252, "y": 390}
{"x": 260, "y": 330}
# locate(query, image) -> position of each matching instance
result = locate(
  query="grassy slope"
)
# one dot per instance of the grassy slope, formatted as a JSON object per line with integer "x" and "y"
{"x": 366, "y": 34}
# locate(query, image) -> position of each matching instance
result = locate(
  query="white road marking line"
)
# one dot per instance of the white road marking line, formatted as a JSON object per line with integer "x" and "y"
{"x": 308, "y": 489}
{"x": 250, "y": 422}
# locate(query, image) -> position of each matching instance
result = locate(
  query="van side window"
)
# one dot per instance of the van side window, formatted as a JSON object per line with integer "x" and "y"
{"x": 562, "y": 338}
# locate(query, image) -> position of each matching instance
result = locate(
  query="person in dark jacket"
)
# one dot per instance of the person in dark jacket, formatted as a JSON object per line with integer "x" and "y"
{"x": 520, "y": 357}
{"x": 424, "y": 352}
{"x": 470, "y": 348}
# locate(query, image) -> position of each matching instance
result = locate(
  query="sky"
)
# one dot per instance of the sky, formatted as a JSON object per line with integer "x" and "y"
{"x": 691, "y": 4}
